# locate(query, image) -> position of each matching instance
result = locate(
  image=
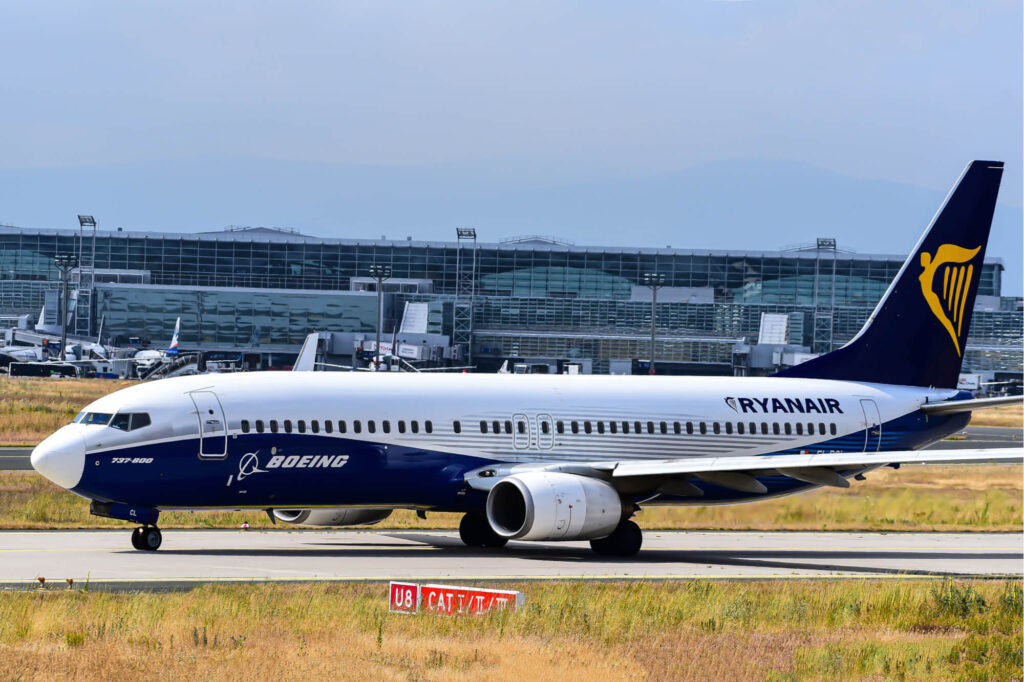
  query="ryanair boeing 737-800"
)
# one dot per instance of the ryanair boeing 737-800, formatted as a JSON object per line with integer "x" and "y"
{"x": 549, "y": 457}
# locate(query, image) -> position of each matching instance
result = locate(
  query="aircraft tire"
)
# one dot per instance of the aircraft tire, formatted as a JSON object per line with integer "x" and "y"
{"x": 625, "y": 541}
{"x": 137, "y": 538}
{"x": 150, "y": 538}
{"x": 476, "y": 532}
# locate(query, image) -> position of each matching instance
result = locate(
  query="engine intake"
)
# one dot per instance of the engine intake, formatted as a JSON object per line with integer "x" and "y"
{"x": 544, "y": 505}
{"x": 332, "y": 517}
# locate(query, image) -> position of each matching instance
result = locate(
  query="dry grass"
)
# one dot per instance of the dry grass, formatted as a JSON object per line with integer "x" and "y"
{"x": 1010, "y": 416}
{"x": 921, "y": 498}
{"x": 33, "y": 408}
{"x": 782, "y": 630}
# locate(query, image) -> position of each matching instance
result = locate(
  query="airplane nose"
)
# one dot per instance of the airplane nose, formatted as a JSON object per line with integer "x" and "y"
{"x": 61, "y": 457}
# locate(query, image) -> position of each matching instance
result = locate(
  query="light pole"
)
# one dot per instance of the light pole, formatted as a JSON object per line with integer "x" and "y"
{"x": 653, "y": 280}
{"x": 64, "y": 262}
{"x": 380, "y": 273}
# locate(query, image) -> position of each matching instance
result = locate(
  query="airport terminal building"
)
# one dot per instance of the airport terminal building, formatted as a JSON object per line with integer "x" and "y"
{"x": 530, "y": 299}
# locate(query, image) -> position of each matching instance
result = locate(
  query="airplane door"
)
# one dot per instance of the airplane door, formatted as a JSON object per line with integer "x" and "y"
{"x": 213, "y": 435}
{"x": 545, "y": 435}
{"x": 521, "y": 435}
{"x": 872, "y": 426}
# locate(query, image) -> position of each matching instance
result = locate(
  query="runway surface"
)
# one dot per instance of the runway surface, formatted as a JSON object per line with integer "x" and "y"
{"x": 16, "y": 459}
{"x": 186, "y": 558}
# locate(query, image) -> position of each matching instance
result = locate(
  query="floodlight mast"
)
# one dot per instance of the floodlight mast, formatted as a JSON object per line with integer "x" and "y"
{"x": 380, "y": 273}
{"x": 64, "y": 262}
{"x": 653, "y": 280}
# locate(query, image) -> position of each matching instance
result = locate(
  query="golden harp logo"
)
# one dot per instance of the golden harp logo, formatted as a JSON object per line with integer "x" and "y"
{"x": 951, "y": 265}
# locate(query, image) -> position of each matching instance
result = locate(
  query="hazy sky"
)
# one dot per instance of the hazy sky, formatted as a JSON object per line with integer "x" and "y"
{"x": 552, "y": 92}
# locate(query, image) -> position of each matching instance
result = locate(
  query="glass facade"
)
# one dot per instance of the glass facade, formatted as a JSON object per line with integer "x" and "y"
{"x": 533, "y": 297}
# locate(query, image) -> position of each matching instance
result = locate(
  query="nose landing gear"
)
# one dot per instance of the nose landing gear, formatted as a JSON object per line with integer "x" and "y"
{"x": 146, "y": 538}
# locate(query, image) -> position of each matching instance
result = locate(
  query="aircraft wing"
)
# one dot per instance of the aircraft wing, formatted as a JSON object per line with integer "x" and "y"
{"x": 955, "y": 406}
{"x": 735, "y": 472}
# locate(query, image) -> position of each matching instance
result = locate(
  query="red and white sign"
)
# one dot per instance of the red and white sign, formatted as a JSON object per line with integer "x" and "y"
{"x": 451, "y": 600}
{"x": 405, "y": 598}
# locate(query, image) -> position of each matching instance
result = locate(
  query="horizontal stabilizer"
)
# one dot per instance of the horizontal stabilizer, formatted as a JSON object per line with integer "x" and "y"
{"x": 957, "y": 406}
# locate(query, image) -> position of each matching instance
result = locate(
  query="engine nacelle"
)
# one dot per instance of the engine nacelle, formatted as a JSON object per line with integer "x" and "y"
{"x": 332, "y": 517}
{"x": 544, "y": 505}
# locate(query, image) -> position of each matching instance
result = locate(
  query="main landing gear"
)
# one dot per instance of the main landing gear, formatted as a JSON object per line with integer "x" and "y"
{"x": 476, "y": 532}
{"x": 625, "y": 540}
{"x": 147, "y": 538}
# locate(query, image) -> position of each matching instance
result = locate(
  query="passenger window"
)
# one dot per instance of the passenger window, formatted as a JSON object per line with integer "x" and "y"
{"x": 342, "y": 426}
{"x": 401, "y": 426}
{"x": 371, "y": 426}
{"x": 559, "y": 426}
{"x": 302, "y": 425}
{"x": 677, "y": 428}
{"x": 386, "y": 425}
{"x": 314, "y": 426}
{"x": 775, "y": 428}
{"x": 789, "y": 429}
{"x": 245, "y": 426}
{"x": 586, "y": 427}
{"x": 810, "y": 428}
{"x": 650, "y": 427}
{"x": 739, "y": 428}
{"x": 508, "y": 426}
{"x": 575, "y": 427}
{"x": 259, "y": 426}
{"x": 121, "y": 421}
{"x": 613, "y": 426}
{"x": 457, "y": 426}
{"x": 428, "y": 426}
{"x": 689, "y": 428}
{"x": 521, "y": 426}
{"x": 664, "y": 427}
{"x": 821, "y": 428}
{"x": 273, "y": 426}
{"x": 728, "y": 427}
{"x": 716, "y": 427}
{"x": 703, "y": 428}
{"x": 637, "y": 427}
{"x": 832, "y": 428}
{"x": 545, "y": 427}
{"x": 357, "y": 426}
{"x": 496, "y": 425}
{"x": 483, "y": 426}
{"x": 328, "y": 427}
{"x": 141, "y": 419}
{"x": 414, "y": 426}
{"x": 799, "y": 429}
{"x": 287, "y": 425}
{"x": 625, "y": 427}
{"x": 764, "y": 428}
{"x": 600, "y": 427}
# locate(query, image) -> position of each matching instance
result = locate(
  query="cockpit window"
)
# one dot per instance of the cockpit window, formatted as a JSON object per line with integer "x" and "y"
{"x": 78, "y": 418}
{"x": 121, "y": 421}
{"x": 129, "y": 421}
{"x": 101, "y": 418}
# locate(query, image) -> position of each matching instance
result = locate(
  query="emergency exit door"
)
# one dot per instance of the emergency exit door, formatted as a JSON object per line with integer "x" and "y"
{"x": 872, "y": 426}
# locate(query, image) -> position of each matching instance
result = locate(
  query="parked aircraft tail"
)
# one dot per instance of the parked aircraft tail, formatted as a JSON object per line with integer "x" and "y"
{"x": 173, "y": 348}
{"x": 917, "y": 333}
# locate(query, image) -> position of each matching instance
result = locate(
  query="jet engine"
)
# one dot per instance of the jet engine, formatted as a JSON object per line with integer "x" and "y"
{"x": 332, "y": 517}
{"x": 544, "y": 505}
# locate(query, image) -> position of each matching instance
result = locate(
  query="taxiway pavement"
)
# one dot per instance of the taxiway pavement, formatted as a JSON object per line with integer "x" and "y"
{"x": 187, "y": 557}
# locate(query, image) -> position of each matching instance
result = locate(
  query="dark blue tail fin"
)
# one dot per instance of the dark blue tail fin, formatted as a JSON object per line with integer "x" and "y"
{"x": 916, "y": 335}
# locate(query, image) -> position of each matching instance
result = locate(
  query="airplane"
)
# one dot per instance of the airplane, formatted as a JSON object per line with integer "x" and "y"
{"x": 146, "y": 359}
{"x": 550, "y": 457}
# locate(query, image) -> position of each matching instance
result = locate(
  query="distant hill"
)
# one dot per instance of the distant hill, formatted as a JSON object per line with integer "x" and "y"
{"x": 741, "y": 204}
